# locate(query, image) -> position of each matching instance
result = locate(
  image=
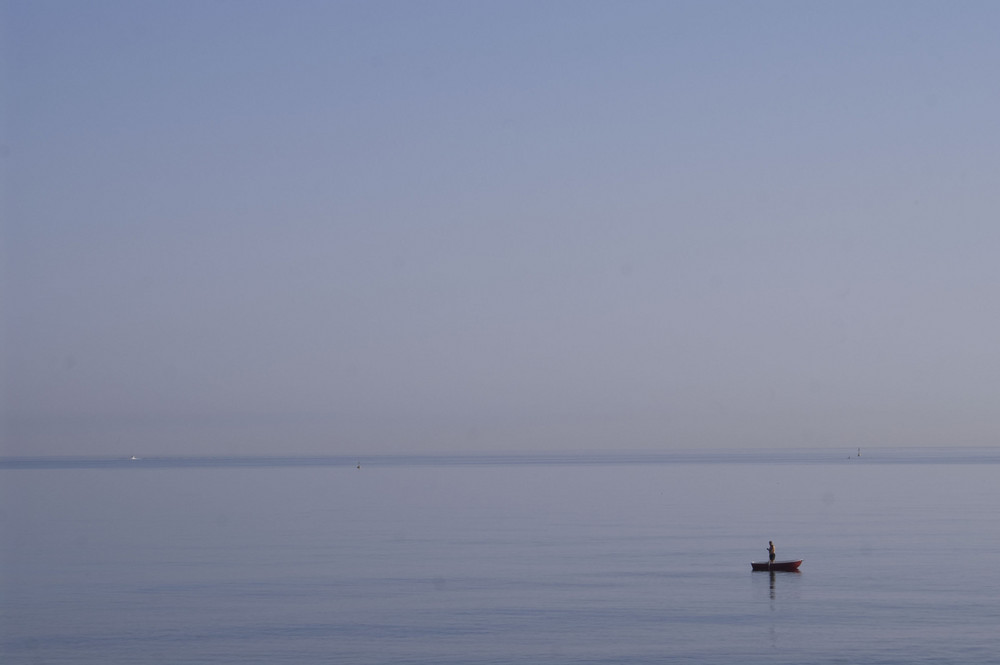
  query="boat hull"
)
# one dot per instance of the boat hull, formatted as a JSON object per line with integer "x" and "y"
{"x": 786, "y": 566}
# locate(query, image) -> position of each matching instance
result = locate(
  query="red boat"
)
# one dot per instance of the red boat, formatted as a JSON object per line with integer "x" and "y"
{"x": 786, "y": 566}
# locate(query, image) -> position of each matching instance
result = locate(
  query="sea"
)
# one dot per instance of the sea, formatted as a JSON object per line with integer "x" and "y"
{"x": 489, "y": 559}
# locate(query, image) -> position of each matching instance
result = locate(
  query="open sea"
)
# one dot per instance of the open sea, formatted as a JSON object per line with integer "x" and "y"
{"x": 547, "y": 559}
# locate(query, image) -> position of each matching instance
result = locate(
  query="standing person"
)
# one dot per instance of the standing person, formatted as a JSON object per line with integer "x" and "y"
{"x": 770, "y": 551}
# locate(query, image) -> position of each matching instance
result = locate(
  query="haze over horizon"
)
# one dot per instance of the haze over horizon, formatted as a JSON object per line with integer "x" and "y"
{"x": 403, "y": 227}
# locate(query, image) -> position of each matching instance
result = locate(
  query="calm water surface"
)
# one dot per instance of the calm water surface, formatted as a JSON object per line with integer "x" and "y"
{"x": 528, "y": 560}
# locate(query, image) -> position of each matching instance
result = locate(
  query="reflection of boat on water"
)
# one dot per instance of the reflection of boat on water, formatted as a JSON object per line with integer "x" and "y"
{"x": 777, "y": 566}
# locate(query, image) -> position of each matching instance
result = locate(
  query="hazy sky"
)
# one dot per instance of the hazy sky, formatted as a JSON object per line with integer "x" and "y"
{"x": 350, "y": 228}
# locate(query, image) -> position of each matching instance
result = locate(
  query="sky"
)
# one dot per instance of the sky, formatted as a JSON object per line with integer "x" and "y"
{"x": 357, "y": 228}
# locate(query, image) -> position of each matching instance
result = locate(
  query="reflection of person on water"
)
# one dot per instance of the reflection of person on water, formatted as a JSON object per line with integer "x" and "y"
{"x": 770, "y": 551}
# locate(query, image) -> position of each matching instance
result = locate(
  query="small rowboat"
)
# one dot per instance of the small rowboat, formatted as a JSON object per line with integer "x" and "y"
{"x": 786, "y": 566}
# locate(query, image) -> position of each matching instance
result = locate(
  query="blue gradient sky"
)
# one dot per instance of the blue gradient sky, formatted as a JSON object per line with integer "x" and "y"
{"x": 350, "y": 228}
